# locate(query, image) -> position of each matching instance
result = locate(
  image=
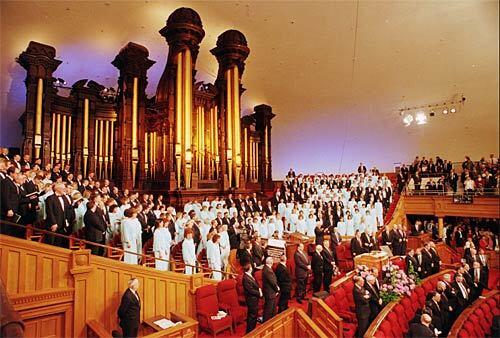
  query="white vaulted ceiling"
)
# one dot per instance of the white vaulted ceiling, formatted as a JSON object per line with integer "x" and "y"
{"x": 335, "y": 72}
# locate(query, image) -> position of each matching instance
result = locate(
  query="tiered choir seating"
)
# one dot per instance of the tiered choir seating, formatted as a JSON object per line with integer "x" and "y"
{"x": 477, "y": 319}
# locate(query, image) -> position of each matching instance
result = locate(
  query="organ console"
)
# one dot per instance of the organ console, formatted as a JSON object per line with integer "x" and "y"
{"x": 190, "y": 136}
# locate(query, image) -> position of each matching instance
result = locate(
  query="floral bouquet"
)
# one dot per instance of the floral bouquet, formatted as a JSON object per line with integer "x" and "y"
{"x": 396, "y": 283}
{"x": 362, "y": 271}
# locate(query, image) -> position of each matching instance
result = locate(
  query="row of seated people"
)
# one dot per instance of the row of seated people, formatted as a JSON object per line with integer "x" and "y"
{"x": 481, "y": 319}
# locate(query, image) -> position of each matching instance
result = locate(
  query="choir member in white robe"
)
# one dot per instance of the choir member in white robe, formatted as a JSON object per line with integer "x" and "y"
{"x": 356, "y": 217}
{"x": 189, "y": 252}
{"x": 301, "y": 225}
{"x": 114, "y": 222}
{"x": 341, "y": 227}
{"x": 349, "y": 225}
{"x": 281, "y": 208}
{"x": 162, "y": 241}
{"x": 263, "y": 229}
{"x": 271, "y": 226}
{"x": 311, "y": 225}
{"x": 131, "y": 237}
{"x": 280, "y": 226}
{"x": 370, "y": 222}
{"x": 225, "y": 246}
{"x": 214, "y": 256}
{"x": 379, "y": 213}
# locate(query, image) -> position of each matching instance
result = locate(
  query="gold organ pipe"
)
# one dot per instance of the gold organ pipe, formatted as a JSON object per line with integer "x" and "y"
{"x": 178, "y": 118}
{"x": 245, "y": 144}
{"x": 85, "y": 135}
{"x": 68, "y": 148}
{"x": 52, "y": 139}
{"x": 58, "y": 137}
{"x": 216, "y": 132}
{"x": 96, "y": 135}
{"x": 38, "y": 117}
{"x": 155, "y": 150}
{"x": 106, "y": 147}
{"x": 151, "y": 154}
{"x": 266, "y": 149}
{"x": 101, "y": 147}
{"x": 63, "y": 139}
{"x": 236, "y": 108}
{"x": 134, "y": 112}
{"x": 188, "y": 112}
{"x": 111, "y": 148}
{"x": 229, "y": 128}
{"x": 146, "y": 151}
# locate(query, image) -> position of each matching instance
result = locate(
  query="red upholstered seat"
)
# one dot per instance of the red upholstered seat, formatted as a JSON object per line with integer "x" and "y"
{"x": 338, "y": 303}
{"x": 428, "y": 287}
{"x": 228, "y": 300}
{"x": 408, "y": 307}
{"x": 240, "y": 290}
{"x": 401, "y": 316}
{"x": 348, "y": 286}
{"x": 420, "y": 295}
{"x": 349, "y": 330}
{"x": 386, "y": 329}
{"x": 344, "y": 257}
{"x": 469, "y": 327}
{"x": 463, "y": 334}
{"x": 397, "y": 331}
{"x": 207, "y": 305}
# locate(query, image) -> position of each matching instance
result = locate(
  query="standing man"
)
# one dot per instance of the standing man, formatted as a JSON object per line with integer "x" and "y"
{"x": 252, "y": 295}
{"x": 302, "y": 268}
{"x": 129, "y": 311}
{"x": 285, "y": 284}
{"x": 375, "y": 300}
{"x": 328, "y": 265}
{"x": 60, "y": 215}
{"x": 270, "y": 288}
{"x": 362, "y": 305}
{"x": 317, "y": 268}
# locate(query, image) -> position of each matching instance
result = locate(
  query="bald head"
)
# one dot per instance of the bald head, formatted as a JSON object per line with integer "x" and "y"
{"x": 426, "y": 319}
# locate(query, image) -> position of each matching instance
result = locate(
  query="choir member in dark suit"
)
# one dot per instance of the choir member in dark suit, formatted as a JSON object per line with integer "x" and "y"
{"x": 335, "y": 240}
{"x": 387, "y": 238}
{"x": 10, "y": 195}
{"x": 129, "y": 311}
{"x": 479, "y": 281}
{"x": 252, "y": 294}
{"x": 362, "y": 305}
{"x": 329, "y": 267}
{"x": 357, "y": 245}
{"x": 245, "y": 255}
{"x": 270, "y": 289}
{"x": 302, "y": 268}
{"x": 31, "y": 189}
{"x": 95, "y": 226}
{"x": 417, "y": 228}
{"x": 284, "y": 279}
{"x": 429, "y": 260}
{"x": 60, "y": 215}
{"x": 258, "y": 252}
{"x": 483, "y": 259}
{"x": 462, "y": 293}
{"x": 375, "y": 300}
{"x": 317, "y": 268}
{"x": 422, "y": 329}
{"x": 319, "y": 232}
{"x": 437, "y": 318}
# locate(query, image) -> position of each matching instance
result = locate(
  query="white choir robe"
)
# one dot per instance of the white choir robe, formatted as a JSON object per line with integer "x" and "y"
{"x": 271, "y": 227}
{"x": 188, "y": 255}
{"x": 280, "y": 227}
{"x": 225, "y": 247}
{"x": 356, "y": 217}
{"x": 370, "y": 223}
{"x": 129, "y": 239}
{"x": 349, "y": 227}
{"x": 263, "y": 229}
{"x": 123, "y": 208}
{"x": 281, "y": 208}
{"x": 301, "y": 226}
{"x": 114, "y": 225}
{"x": 311, "y": 225}
{"x": 214, "y": 259}
{"x": 342, "y": 229}
{"x": 79, "y": 213}
{"x": 161, "y": 247}
{"x": 379, "y": 213}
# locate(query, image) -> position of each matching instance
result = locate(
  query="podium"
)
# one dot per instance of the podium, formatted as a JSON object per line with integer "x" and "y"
{"x": 418, "y": 241}
{"x": 374, "y": 259}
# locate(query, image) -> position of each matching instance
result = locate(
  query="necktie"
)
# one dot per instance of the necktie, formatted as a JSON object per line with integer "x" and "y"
{"x": 476, "y": 276}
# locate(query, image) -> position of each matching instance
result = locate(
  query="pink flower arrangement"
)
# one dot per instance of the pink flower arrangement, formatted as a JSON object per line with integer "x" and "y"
{"x": 396, "y": 283}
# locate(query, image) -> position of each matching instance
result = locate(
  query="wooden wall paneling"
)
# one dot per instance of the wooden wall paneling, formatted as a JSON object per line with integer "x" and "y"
{"x": 49, "y": 321}
{"x": 440, "y": 206}
{"x": 326, "y": 319}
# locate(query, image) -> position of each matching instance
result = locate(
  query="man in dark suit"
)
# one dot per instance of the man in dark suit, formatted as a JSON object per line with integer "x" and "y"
{"x": 422, "y": 329}
{"x": 375, "y": 300}
{"x": 252, "y": 294}
{"x": 433, "y": 303}
{"x": 410, "y": 260}
{"x": 397, "y": 242}
{"x": 329, "y": 266}
{"x": 479, "y": 281}
{"x": 129, "y": 311}
{"x": 10, "y": 195}
{"x": 60, "y": 215}
{"x": 95, "y": 226}
{"x": 285, "y": 284}
{"x": 301, "y": 271}
{"x": 446, "y": 307}
{"x": 270, "y": 289}
{"x": 335, "y": 240}
{"x": 258, "y": 251}
{"x": 317, "y": 268}
{"x": 387, "y": 238}
{"x": 357, "y": 245}
{"x": 462, "y": 293}
{"x": 362, "y": 305}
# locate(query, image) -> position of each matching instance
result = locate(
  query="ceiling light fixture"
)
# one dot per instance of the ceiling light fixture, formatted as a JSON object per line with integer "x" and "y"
{"x": 408, "y": 119}
{"x": 453, "y": 110}
{"x": 421, "y": 118}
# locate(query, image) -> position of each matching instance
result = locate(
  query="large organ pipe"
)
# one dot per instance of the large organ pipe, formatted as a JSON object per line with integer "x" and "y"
{"x": 111, "y": 148}
{"x": 236, "y": 123}
{"x": 146, "y": 152}
{"x": 155, "y": 152}
{"x": 216, "y": 142}
{"x": 58, "y": 137}
{"x": 135, "y": 150}
{"x": 188, "y": 82}
{"x": 245, "y": 144}
{"x": 52, "y": 139}
{"x": 178, "y": 119}
{"x": 85, "y": 135}
{"x": 96, "y": 140}
{"x": 68, "y": 147}
{"x": 101, "y": 148}
{"x": 38, "y": 118}
{"x": 106, "y": 148}
{"x": 63, "y": 140}
{"x": 229, "y": 118}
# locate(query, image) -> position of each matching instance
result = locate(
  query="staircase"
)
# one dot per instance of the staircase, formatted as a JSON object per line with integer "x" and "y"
{"x": 395, "y": 200}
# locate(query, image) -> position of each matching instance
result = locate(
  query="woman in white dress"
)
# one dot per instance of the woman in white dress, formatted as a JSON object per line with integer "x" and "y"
{"x": 189, "y": 252}
{"x": 161, "y": 245}
{"x": 225, "y": 245}
{"x": 114, "y": 222}
{"x": 310, "y": 225}
{"x": 130, "y": 236}
{"x": 379, "y": 213}
{"x": 370, "y": 222}
{"x": 263, "y": 229}
{"x": 349, "y": 226}
{"x": 280, "y": 225}
{"x": 214, "y": 257}
{"x": 341, "y": 226}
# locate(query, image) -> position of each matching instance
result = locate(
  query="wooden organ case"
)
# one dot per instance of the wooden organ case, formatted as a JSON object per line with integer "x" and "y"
{"x": 189, "y": 139}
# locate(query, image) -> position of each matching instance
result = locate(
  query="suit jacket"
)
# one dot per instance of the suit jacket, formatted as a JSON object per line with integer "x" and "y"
{"x": 258, "y": 254}
{"x": 269, "y": 283}
{"x": 317, "y": 263}
{"x": 95, "y": 225}
{"x": 387, "y": 238}
{"x": 437, "y": 315}
{"x": 462, "y": 302}
{"x": 375, "y": 306}
{"x": 284, "y": 278}
{"x": 357, "y": 247}
{"x": 251, "y": 291}
{"x": 10, "y": 196}
{"x": 301, "y": 263}
{"x": 129, "y": 311}
{"x": 361, "y": 303}
{"x": 418, "y": 330}
{"x": 56, "y": 215}
{"x": 327, "y": 260}
{"x": 410, "y": 260}
{"x": 365, "y": 239}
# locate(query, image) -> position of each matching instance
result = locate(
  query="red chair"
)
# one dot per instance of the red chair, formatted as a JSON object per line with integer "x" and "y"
{"x": 240, "y": 290}
{"x": 228, "y": 301}
{"x": 385, "y": 327}
{"x": 208, "y": 306}
{"x": 348, "y": 286}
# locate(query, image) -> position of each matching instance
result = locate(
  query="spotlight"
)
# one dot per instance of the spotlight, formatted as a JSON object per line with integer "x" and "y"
{"x": 421, "y": 118}
{"x": 408, "y": 119}
{"x": 445, "y": 111}
{"x": 453, "y": 110}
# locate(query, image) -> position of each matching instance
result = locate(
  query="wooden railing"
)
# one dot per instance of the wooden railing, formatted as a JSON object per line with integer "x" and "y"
{"x": 459, "y": 322}
{"x": 72, "y": 287}
{"x": 290, "y": 323}
{"x": 374, "y": 326}
{"x": 339, "y": 282}
{"x": 326, "y": 319}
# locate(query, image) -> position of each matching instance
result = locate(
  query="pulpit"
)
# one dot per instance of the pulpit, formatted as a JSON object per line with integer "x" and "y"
{"x": 418, "y": 241}
{"x": 374, "y": 259}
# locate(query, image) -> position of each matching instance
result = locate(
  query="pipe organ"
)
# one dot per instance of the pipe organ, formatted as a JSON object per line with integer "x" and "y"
{"x": 190, "y": 137}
